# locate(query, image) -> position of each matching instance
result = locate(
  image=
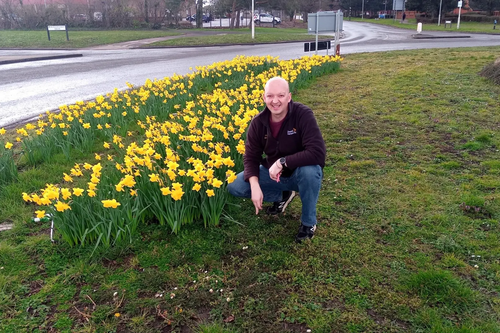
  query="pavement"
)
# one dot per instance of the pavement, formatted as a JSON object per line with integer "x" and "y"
{"x": 32, "y": 56}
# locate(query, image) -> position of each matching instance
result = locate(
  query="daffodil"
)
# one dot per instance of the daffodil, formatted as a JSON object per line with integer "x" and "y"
{"x": 61, "y": 206}
{"x": 110, "y": 203}
{"x": 77, "y": 191}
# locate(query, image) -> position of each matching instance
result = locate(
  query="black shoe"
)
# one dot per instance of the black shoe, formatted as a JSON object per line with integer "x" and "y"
{"x": 305, "y": 232}
{"x": 280, "y": 206}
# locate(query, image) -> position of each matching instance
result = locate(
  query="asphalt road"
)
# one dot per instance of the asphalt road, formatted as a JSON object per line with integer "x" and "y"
{"x": 30, "y": 88}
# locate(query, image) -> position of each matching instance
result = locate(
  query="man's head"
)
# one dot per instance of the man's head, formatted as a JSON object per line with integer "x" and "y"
{"x": 277, "y": 96}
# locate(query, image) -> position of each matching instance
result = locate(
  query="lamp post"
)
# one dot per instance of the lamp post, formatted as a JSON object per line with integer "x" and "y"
{"x": 253, "y": 21}
{"x": 439, "y": 16}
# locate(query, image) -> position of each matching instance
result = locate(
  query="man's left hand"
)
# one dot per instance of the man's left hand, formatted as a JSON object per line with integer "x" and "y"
{"x": 275, "y": 170}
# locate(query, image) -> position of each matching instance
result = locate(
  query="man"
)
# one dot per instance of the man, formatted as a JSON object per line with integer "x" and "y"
{"x": 289, "y": 136}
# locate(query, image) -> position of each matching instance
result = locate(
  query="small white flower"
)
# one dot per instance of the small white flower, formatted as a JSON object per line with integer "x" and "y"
{"x": 228, "y": 299}
{"x": 36, "y": 219}
{"x": 172, "y": 295}
{"x": 476, "y": 266}
{"x": 211, "y": 291}
{"x": 221, "y": 290}
{"x": 245, "y": 247}
{"x": 1, "y": 267}
{"x": 473, "y": 256}
{"x": 308, "y": 331}
{"x": 175, "y": 288}
{"x": 115, "y": 294}
{"x": 205, "y": 272}
{"x": 194, "y": 281}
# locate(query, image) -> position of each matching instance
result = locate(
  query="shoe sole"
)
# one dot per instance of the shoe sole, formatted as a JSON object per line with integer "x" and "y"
{"x": 292, "y": 196}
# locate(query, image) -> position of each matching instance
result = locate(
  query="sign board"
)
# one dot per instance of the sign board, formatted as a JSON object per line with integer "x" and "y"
{"x": 327, "y": 22}
{"x": 56, "y": 27}
{"x": 398, "y": 4}
{"x": 311, "y": 46}
{"x": 459, "y": 4}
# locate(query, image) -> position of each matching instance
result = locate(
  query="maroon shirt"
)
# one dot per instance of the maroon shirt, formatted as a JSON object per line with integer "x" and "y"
{"x": 275, "y": 126}
{"x": 299, "y": 139}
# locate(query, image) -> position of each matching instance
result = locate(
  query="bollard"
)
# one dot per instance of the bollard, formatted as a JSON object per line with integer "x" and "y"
{"x": 494, "y": 24}
{"x": 419, "y": 27}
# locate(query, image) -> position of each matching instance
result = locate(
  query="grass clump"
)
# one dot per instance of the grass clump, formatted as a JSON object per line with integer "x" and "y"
{"x": 492, "y": 71}
{"x": 440, "y": 288}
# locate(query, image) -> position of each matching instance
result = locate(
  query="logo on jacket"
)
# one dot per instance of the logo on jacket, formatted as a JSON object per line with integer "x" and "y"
{"x": 291, "y": 132}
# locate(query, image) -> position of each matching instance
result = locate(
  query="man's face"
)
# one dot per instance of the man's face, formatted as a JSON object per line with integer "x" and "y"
{"x": 277, "y": 98}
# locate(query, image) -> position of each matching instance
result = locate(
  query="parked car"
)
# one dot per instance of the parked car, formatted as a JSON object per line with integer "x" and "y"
{"x": 192, "y": 18}
{"x": 266, "y": 18}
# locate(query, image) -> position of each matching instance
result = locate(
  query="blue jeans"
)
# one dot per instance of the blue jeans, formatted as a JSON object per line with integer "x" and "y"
{"x": 306, "y": 180}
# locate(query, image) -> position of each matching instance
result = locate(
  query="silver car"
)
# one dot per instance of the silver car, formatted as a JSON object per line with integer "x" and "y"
{"x": 266, "y": 18}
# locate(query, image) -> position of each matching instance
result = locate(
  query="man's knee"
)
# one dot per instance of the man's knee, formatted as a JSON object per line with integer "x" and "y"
{"x": 311, "y": 173}
{"x": 238, "y": 188}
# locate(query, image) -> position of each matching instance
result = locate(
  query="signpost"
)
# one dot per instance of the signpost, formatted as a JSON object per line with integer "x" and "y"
{"x": 57, "y": 28}
{"x": 459, "y": 12}
{"x": 322, "y": 22}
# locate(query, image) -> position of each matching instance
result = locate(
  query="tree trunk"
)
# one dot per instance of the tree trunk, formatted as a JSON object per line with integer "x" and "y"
{"x": 233, "y": 15}
{"x": 199, "y": 14}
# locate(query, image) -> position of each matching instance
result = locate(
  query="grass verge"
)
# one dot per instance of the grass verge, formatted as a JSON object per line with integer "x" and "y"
{"x": 408, "y": 239}
{"x": 77, "y": 39}
{"x": 82, "y": 39}
{"x": 243, "y": 36}
{"x": 411, "y": 24}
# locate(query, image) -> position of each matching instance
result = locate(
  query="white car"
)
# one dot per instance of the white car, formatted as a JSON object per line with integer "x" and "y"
{"x": 266, "y": 18}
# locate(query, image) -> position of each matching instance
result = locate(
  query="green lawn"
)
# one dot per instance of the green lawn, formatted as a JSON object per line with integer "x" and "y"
{"x": 244, "y": 36}
{"x": 408, "y": 237}
{"x": 77, "y": 39}
{"x": 81, "y": 38}
{"x": 485, "y": 28}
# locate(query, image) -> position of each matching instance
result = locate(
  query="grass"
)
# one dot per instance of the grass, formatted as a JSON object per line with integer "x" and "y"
{"x": 243, "y": 36}
{"x": 397, "y": 249}
{"x": 477, "y": 27}
{"x": 81, "y": 39}
{"x": 77, "y": 39}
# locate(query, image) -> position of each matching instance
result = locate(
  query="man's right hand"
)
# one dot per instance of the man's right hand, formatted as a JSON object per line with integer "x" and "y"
{"x": 257, "y": 195}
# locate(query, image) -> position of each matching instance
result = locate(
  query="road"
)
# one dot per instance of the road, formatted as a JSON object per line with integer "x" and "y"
{"x": 30, "y": 88}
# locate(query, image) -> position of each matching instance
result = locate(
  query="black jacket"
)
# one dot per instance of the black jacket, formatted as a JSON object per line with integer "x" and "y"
{"x": 299, "y": 140}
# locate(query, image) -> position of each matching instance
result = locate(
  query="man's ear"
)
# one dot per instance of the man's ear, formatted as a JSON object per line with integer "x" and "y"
{"x": 264, "y": 97}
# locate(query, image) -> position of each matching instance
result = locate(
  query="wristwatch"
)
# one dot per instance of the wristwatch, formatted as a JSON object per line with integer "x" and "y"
{"x": 282, "y": 161}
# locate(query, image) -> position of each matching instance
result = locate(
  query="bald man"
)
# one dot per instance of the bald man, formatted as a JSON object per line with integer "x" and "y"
{"x": 289, "y": 136}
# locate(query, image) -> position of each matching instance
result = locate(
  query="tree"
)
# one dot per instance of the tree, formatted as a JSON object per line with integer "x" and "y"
{"x": 172, "y": 9}
{"x": 487, "y": 5}
{"x": 431, "y": 6}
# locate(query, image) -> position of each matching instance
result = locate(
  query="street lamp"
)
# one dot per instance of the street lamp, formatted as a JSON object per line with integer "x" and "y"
{"x": 253, "y": 21}
{"x": 439, "y": 16}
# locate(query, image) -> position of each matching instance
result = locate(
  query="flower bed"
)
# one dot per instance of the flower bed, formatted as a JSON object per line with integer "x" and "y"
{"x": 171, "y": 147}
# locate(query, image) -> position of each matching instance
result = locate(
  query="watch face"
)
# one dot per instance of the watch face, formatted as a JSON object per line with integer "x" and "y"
{"x": 282, "y": 161}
